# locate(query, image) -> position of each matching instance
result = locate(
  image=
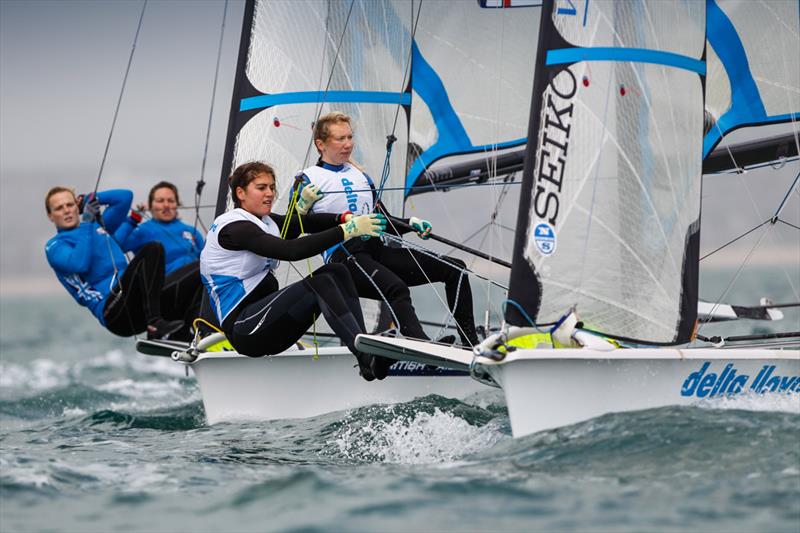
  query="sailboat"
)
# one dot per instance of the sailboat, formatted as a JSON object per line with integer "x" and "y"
{"x": 606, "y": 254}
{"x": 391, "y": 68}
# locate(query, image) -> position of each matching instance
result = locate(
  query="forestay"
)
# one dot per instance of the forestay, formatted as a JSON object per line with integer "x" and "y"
{"x": 610, "y": 203}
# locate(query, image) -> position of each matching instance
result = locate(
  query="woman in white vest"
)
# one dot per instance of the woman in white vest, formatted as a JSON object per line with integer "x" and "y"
{"x": 243, "y": 249}
{"x": 392, "y": 270}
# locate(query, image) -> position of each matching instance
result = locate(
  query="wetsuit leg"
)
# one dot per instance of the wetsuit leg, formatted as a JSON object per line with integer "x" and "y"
{"x": 135, "y": 301}
{"x": 275, "y": 322}
{"x": 394, "y": 289}
{"x": 181, "y": 297}
{"x": 414, "y": 269}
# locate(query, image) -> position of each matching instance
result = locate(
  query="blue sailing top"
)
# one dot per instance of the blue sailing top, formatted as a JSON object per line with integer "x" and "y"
{"x": 182, "y": 243}
{"x": 85, "y": 258}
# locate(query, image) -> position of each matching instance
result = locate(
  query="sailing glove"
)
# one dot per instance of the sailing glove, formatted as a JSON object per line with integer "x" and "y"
{"x": 422, "y": 227}
{"x": 372, "y": 225}
{"x": 91, "y": 207}
{"x": 308, "y": 195}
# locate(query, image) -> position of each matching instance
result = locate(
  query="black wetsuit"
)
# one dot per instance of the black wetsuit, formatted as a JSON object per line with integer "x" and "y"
{"x": 270, "y": 320}
{"x": 134, "y": 301}
{"x": 182, "y": 296}
{"x": 393, "y": 270}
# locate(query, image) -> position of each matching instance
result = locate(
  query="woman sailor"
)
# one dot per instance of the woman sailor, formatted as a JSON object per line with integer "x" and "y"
{"x": 182, "y": 293}
{"x": 124, "y": 297}
{"x": 244, "y": 247}
{"x": 392, "y": 270}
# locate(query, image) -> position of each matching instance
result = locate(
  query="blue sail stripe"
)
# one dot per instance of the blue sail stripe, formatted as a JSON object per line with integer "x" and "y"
{"x": 438, "y": 151}
{"x": 638, "y": 55}
{"x": 313, "y": 97}
{"x": 746, "y": 104}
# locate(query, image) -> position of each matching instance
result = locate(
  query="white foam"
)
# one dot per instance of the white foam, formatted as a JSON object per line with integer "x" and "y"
{"x": 73, "y": 412}
{"x": 43, "y": 374}
{"x": 421, "y": 439}
{"x": 143, "y": 389}
{"x": 39, "y": 375}
{"x": 24, "y": 474}
{"x": 783, "y": 402}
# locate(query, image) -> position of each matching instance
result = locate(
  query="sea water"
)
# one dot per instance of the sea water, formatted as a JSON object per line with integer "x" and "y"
{"x": 95, "y": 437}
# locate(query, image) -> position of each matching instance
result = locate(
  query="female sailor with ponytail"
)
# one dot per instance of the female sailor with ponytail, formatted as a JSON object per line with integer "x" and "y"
{"x": 244, "y": 247}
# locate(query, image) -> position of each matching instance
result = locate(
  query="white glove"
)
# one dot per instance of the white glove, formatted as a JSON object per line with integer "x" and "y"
{"x": 372, "y": 225}
{"x": 308, "y": 195}
{"x": 422, "y": 227}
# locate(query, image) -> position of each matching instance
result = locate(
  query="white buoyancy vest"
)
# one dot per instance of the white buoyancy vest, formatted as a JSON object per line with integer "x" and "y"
{"x": 230, "y": 275}
{"x": 347, "y": 189}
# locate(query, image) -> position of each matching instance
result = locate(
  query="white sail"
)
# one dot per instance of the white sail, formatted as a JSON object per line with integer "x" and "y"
{"x": 471, "y": 80}
{"x": 753, "y": 65}
{"x": 307, "y": 58}
{"x": 611, "y": 217}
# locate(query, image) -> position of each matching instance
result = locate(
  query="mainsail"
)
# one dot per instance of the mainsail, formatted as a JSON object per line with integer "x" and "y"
{"x": 753, "y": 66}
{"x": 447, "y": 78}
{"x": 608, "y": 221}
{"x": 472, "y": 73}
{"x": 303, "y": 58}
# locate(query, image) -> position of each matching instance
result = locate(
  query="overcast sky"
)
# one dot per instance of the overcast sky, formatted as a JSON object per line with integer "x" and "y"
{"x": 61, "y": 69}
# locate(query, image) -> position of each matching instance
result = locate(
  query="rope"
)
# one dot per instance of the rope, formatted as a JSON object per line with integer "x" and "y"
{"x": 284, "y": 232}
{"x": 201, "y": 183}
{"x": 108, "y": 145}
{"x": 330, "y": 77}
{"x": 352, "y": 258}
{"x": 391, "y": 138}
{"x": 119, "y": 99}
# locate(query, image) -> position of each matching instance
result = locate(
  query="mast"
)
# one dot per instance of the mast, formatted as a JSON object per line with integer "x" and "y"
{"x": 241, "y": 89}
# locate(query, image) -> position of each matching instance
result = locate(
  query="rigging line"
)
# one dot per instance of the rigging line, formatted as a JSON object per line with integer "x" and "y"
{"x": 390, "y": 139}
{"x": 209, "y": 206}
{"x": 441, "y": 258}
{"x": 408, "y": 62}
{"x": 785, "y": 197}
{"x": 788, "y": 224}
{"x": 201, "y": 183}
{"x": 119, "y": 100}
{"x": 763, "y": 336}
{"x": 330, "y": 77}
{"x": 428, "y": 279}
{"x": 746, "y": 168}
{"x": 721, "y": 298}
{"x": 748, "y": 232}
{"x": 492, "y": 225}
{"x": 775, "y": 218}
{"x": 435, "y": 188}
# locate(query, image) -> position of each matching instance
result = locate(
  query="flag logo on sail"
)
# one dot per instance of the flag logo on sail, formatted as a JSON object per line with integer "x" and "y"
{"x": 544, "y": 236}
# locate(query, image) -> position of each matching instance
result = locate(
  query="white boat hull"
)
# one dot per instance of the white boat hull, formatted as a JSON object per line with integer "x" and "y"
{"x": 295, "y": 385}
{"x": 546, "y": 389}
{"x": 549, "y": 388}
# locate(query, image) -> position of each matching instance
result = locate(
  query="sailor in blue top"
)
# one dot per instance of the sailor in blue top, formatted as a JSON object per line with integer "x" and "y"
{"x": 182, "y": 294}
{"x": 124, "y": 297}
{"x": 392, "y": 270}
